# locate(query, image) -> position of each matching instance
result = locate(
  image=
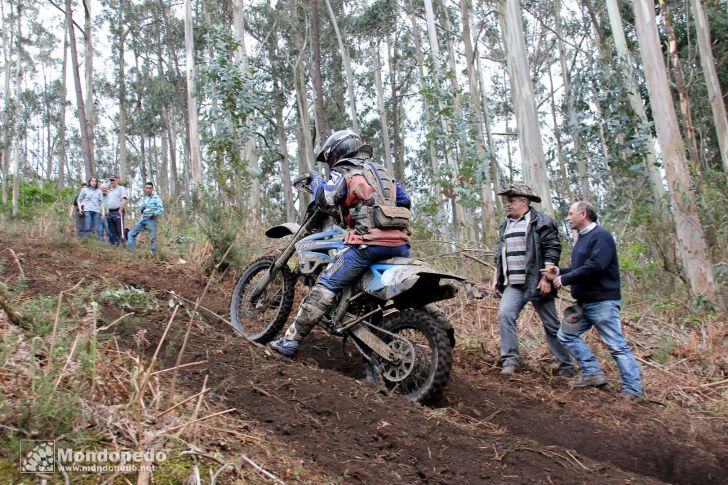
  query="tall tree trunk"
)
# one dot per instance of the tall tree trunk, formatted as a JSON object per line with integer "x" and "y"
{"x": 533, "y": 159}
{"x": 397, "y": 144}
{"x": 421, "y": 81}
{"x": 682, "y": 90}
{"x": 62, "y": 115}
{"x": 377, "y": 68}
{"x": 248, "y": 152}
{"x": 689, "y": 230}
{"x": 86, "y": 149}
{"x": 486, "y": 190}
{"x": 8, "y": 40}
{"x": 492, "y": 162}
{"x": 322, "y": 126}
{"x": 195, "y": 162}
{"x": 457, "y": 210}
{"x": 570, "y": 108}
{"x": 635, "y": 100}
{"x": 715, "y": 95}
{"x": 123, "y": 164}
{"x": 346, "y": 60}
{"x": 279, "y": 97}
{"x": 565, "y": 186}
{"x": 173, "y": 61}
{"x": 88, "y": 68}
{"x": 19, "y": 165}
{"x": 305, "y": 159}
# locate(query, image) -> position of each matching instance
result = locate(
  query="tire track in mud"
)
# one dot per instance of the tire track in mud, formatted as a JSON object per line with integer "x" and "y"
{"x": 320, "y": 406}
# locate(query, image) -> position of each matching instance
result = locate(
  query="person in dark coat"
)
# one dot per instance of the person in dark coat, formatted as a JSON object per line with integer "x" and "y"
{"x": 528, "y": 241}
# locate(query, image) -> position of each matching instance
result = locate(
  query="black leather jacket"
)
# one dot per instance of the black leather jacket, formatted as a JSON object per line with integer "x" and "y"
{"x": 542, "y": 246}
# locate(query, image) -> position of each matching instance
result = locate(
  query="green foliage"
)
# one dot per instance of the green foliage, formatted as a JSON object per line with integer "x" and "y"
{"x": 218, "y": 227}
{"x": 36, "y": 196}
{"x": 130, "y": 298}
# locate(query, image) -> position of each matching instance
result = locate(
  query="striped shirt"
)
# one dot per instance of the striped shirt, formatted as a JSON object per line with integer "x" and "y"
{"x": 515, "y": 243}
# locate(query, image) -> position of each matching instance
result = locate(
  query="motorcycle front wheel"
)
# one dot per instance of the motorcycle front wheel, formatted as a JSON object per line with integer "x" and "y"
{"x": 260, "y": 319}
{"x": 424, "y": 370}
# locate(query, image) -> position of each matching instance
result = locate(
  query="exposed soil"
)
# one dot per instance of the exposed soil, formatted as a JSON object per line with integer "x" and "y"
{"x": 485, "y": 429}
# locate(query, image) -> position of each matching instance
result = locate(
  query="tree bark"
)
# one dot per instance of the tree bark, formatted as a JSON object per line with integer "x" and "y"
{"x": 123, "y": 164}
{"x": 682, "y": 90}
{"x": 347, "y": 69}
{"x": 689, "y": 230}
{"x": 421, "y": 81}
{"x": 83, "y": 124}
{"x": 635, "y": 100}
{"x": 18, "y": 169}
{"x": 377, "y": 68}
{"x": 396, "y": 99}
{"x": 486, "y": 189}
{"x": 62, "y": 116}
{"x": 322, "y": 126}
{"x": 88, "y": 69}
{"x": 492, "y": 162}
{"x": 715, "y": 95}
{"x": 533, "y": 160}
{"x": 8, "y": 40}
{"x": 195, "y": 162}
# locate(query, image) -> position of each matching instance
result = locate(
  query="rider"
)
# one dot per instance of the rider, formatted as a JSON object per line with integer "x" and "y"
{"x": 375, "y": 209}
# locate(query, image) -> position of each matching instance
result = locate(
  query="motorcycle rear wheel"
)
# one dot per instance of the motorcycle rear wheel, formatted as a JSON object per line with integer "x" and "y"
{"x": 430, "y": 372}
{"x": 261, "y": 320}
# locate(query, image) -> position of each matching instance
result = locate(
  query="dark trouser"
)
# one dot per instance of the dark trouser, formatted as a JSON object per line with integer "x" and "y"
{"x": 116, "y": 226}
{"x": 79, "y": 223}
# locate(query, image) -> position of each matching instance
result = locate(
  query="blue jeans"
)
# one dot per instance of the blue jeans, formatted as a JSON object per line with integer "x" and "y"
{"x": 352, "y": 262}
{"x": 512, "y": 302}
{"x": 90, "y": 223}
{"x": 146, "y": 224}
{"x": 103, "y": 229}
{"x": 604, "y": 316}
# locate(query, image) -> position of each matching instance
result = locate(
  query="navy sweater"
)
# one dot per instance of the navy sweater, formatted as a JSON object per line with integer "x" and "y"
{"x": 594, "y": 272}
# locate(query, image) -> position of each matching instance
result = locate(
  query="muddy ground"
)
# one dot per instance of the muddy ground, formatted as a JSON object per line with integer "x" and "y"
{"x": 532, "y": 429}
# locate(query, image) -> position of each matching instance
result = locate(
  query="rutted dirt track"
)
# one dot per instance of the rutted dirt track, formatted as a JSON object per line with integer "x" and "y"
{"x": 485, "y": 430}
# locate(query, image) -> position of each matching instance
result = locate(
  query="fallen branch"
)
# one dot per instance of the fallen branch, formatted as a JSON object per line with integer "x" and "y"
{"x": 180, "y": 403}
{"x": 179, "y": 367}
{"x": 173, "y": 428}
{"x": 262, "y": 470}
{"x": 17, "y": 261}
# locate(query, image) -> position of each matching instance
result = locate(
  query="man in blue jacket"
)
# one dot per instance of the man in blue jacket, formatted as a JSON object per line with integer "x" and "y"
{"x": 595, "y": 284}
{"x": 151, "y": 208}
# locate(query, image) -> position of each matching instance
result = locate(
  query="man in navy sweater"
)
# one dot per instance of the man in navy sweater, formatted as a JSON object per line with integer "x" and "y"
{"x": 594, "y": 280}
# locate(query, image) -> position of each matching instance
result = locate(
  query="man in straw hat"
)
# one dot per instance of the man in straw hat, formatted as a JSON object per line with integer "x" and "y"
{"x": 528, "y": 241}
{"x": 595, "y": 284}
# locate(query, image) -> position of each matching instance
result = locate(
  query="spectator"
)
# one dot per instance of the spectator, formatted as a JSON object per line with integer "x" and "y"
{"x": 104, "y": 224}
{"x": 74, "y": 212}
{"x": 528, "y": 241}
{"x": 117, "y": 207}
{"x": 151, "y": 208}
{"x": 595, "y": 284}
{"x": 90, "y": 205}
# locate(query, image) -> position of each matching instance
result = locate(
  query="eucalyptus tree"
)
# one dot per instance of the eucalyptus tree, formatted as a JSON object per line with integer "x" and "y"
{"x": 86, "y": 144}
{"x": 195, "y": 161}
{"x": 712, "y": 82}
{"x": 690, "y": 241}
{"x": 533, "y": 159}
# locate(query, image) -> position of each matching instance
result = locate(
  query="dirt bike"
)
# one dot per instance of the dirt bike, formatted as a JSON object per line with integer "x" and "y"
{"x": 389, "y": 313}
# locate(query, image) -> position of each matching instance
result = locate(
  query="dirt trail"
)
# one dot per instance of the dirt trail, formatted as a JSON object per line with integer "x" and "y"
{"x": 485, "y": 430}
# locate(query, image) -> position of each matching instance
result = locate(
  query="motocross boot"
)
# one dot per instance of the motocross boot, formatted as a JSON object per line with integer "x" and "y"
{"x": 313, "y": 307}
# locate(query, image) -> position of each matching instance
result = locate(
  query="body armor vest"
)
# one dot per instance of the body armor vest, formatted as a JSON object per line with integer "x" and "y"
{"x": 380, "y": 211}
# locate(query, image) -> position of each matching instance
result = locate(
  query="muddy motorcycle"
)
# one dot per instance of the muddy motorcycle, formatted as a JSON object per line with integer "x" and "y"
{"x": 389, "y": 313}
